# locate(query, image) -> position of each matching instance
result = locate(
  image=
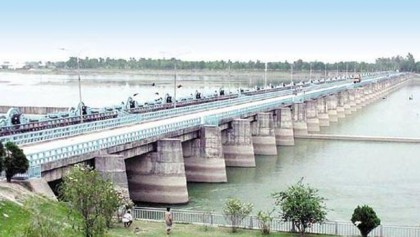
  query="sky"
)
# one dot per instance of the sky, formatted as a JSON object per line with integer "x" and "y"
{"x": 322, "y": 30}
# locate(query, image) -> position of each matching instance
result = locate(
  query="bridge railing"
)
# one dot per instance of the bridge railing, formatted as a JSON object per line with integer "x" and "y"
{"x": 36, "y": 159}
{"x": 98, "y": 144}
{"x": 277, "y": 224}
{"x": 77, "y": 129}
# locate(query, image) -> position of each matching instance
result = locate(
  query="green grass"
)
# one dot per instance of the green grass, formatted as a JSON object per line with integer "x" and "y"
{"x": 151, "y": 229}
{"x": 19, "y": 217}
{"x": 16, "y": 220}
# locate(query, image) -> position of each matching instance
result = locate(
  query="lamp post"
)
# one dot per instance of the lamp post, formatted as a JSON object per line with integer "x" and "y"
{"x": 175, "y": 82}
{"x": 310, "y": 71}
{"x": 325, "y": 73}
{"x": 265, "y": 76}
{"x": 291, "y": 74}
{"x": 80, "y": 84}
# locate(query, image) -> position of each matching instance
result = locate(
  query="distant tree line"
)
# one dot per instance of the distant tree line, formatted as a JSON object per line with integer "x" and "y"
{"x": 394, "y": 63}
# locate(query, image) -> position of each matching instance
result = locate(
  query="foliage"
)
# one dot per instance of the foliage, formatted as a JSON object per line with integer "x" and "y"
{"x": 302, "y": 205}
{"x": 365, "y": 219}
{"x": 169, "y": 64}
{"x": 15, "y": 161}
{"x": 265, "y": 218}
{"x": 2, "y": 156}
{"x": 235, "y": 211}
{"x": 91, "y": 197}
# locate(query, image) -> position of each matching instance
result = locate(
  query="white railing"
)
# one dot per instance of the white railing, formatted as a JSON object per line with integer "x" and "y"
{"x": 251, "y": 222}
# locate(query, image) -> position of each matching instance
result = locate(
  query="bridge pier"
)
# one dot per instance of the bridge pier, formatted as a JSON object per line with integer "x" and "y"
{"x": 237, "y": 144}
{"x": 159, "y": 177}
{"x": 263, "y": 137}
{"x": 203, "y": 157}
{"x": 332, "y": 108}
{"x": 112, "y": 167}
{"x": 322, "y": 107}
{"x": 352, "y": 100}
{"x": 357, "y": 99}
{"x": 346, "y": 101}
{"x": 340, "y": 105}
{"x": 283, "y": 127}
{"x": 299, "y": 119}
{"x": 312, "y": 119}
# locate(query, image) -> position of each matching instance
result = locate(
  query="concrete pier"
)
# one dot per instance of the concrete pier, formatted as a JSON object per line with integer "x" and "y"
{"x": 340, "y": 105}
{"x": 203, "y": 157}
{"x": 263, "y": 137}
{"x": 299, "y": 119}
{"x": 112, "y": 167}
{"x": 332, "y": 108}
{"x": 357, "y": 99}
{"x": 346, "y": 101}
{"x": 159, "y": 177}
{"x": 312, "y": 120}
{"x": 352, "y": 100}
{"x": 237, "y": 144}
{"x": 283, "y": 127}
{"x": 322, "y": 107}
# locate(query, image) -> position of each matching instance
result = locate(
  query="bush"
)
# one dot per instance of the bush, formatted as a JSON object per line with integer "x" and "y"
{"x": 235, "y": 211}
{"x": 365, "y": 219}
{"x": 265, "y": 219}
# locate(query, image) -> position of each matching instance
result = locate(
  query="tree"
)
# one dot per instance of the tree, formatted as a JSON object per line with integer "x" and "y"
{"x": 15, "y": 161}
{"x": 235, "y": 211}
{"x": 301, "y": 205}
{"x": 264, "y": 221}
{"x": 92, "y": 197}
{"x": 2, "y": 155}
{"x": 365, "y": 219}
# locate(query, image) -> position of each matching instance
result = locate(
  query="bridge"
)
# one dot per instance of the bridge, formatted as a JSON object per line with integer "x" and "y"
{"x": 153, "y": 155}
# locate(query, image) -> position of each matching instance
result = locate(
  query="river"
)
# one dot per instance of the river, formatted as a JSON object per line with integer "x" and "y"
{"x": 383, "y": 175}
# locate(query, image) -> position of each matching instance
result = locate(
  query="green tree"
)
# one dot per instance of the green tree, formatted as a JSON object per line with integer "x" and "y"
{"x": 264, "y": 221}
{"x": 15, "y": 161}
{"x": 235, "y": 211}
{"x": 2, "y": 155}
{"x": 365, "y": 219}
{"x": 90, "y": 196}
{"x": 301, "y": 205}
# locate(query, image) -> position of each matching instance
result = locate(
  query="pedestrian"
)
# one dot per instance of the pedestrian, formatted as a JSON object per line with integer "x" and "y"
{"x": 127, "y": 219}
{"x": 168, "y": 220}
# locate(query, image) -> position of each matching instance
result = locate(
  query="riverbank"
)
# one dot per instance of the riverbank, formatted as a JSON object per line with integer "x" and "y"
{"x": 20, "y": 209}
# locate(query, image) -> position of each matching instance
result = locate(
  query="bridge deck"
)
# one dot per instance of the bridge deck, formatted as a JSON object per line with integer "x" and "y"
{"x": 48, "y": 145}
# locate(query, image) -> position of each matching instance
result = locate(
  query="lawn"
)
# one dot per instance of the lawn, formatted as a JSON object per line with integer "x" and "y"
{"x": 151, "y": 229}
{"x": 15, "y": 218}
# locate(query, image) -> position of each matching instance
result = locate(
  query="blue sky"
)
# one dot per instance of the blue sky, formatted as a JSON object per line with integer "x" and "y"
{"x": 323, "y": 30}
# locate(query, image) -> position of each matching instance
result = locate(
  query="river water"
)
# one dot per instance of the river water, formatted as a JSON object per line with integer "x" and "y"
{"x": 385, "y": 176}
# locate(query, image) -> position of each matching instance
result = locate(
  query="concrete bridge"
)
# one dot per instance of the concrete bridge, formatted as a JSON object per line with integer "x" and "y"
{"x": 153, "y": 160}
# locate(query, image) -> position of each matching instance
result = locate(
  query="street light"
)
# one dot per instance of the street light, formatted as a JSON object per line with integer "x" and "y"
{"x": 175, "y": 83}
{"x": 80, "y": 84}
{"x": 265, "y": 76}
{"x": 310, "y": 71}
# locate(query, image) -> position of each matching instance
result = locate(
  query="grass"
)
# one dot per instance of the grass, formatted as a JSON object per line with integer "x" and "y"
{"x": 151, "y": 229}
{"x": 19, "y": 217}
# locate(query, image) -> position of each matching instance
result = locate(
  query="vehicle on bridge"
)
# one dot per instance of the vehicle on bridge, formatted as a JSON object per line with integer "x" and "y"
{"x": 357, "y": 78}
